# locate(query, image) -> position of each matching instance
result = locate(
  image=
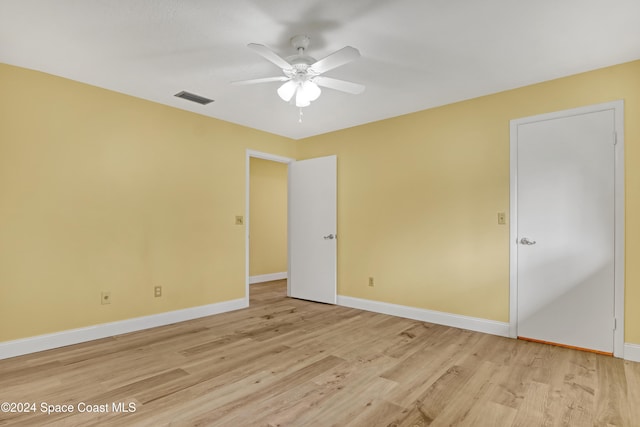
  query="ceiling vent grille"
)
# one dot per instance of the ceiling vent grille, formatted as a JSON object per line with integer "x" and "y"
{"x": 193, "y": 97}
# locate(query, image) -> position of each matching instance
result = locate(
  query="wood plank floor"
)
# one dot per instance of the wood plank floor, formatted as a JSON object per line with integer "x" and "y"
{"x": 287, "y": 362}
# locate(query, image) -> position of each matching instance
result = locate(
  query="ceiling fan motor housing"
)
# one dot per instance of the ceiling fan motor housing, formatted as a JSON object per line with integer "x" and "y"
{"x": 300, "y": 62}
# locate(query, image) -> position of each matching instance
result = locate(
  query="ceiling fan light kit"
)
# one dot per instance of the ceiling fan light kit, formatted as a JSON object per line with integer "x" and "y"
{"x": 302, "y": 73}
{"x": 304, "y": 90}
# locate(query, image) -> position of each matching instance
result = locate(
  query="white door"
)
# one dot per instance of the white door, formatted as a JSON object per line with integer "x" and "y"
{"x": 565, "y": 230}
{"x": 312, "y": 229}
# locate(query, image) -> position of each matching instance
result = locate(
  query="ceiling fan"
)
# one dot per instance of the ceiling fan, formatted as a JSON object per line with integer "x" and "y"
{"x": 303, "y": 74}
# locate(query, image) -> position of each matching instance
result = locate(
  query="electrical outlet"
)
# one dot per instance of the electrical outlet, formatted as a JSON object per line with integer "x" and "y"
{"x": 239, "y": 220}
{"x": 371, "y": 281}
{"x": 157, "y": 291}
{"x": 502, "y": 218}
{"x": 105, "y": 297}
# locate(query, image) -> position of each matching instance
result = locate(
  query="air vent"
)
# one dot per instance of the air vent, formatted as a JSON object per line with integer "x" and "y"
{"x": 193, "y": 97}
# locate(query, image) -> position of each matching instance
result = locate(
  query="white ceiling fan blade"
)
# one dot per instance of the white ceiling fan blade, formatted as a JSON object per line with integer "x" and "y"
{"x": 341, "y": 85}
{"x": 262, "y": 80}
{"x": 269, "y": 55}
{"x": 336, "y": 59}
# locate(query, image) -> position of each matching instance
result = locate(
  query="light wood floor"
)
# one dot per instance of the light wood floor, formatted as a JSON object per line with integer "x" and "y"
{"x": 286, "y": 362}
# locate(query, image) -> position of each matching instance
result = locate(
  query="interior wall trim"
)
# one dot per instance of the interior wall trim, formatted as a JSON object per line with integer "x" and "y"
{"x": 632, "y": 352}
{"x": 75, "y": 336}
{"x": 267, "y": 277}
{"x": 247, "y": 199}
{"x": 441, "y": 318}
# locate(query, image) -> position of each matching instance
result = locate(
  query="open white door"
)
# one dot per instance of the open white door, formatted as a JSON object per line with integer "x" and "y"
{"x": 312, "y": 229}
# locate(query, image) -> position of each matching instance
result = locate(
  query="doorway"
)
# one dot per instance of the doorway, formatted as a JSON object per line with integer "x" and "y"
{"x": 311, "y": 227}
{"x": 269, "y": 230}
{"x": 567, "y": 228}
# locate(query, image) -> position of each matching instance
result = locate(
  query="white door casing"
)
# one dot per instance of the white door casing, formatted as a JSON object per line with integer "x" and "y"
{"x": 247, "y": 222}
{"x": 312, "y": 229}
{"x": 566, "y": 195}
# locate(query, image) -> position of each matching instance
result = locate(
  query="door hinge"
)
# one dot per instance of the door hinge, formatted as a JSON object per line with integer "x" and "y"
{"x": 615, "y": 323}
{"x": 615, "y": 138}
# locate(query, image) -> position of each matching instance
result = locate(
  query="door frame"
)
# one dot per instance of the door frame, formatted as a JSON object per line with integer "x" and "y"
{"x": 265, "y": 156}
{"x": 618, "y": 108}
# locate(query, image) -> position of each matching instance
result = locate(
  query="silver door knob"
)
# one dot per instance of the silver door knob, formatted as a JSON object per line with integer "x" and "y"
{"x": 526, "y": 241}
{"x": 329, "y": 237}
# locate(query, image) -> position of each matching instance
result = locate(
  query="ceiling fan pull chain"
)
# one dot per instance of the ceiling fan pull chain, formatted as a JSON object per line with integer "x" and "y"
{"x": 300, "y": 116}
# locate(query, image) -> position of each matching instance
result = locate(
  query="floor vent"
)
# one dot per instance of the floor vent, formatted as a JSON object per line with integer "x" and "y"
{"x": 193, "y": 97}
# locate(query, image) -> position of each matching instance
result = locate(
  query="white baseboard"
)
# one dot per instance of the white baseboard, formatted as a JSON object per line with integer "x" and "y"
{"x": 74, "y": 336}
{"x": 267, "y": 277}
{"x": 90, "y": 333}
{"x": 455, "y": 320}
{"x": 632, "y": 352}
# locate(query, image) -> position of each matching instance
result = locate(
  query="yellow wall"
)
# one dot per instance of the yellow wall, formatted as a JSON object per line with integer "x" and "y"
{"x": 418, "y": 197}
{"x": 268, "y": 217}
{"x": 101, "y": 191}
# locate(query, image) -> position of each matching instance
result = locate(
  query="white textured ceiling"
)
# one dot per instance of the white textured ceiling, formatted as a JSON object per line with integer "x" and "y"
{"x": 416, "y": 54}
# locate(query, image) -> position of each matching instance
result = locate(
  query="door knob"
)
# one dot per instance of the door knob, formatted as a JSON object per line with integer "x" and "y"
{"x": 329, "y": 237}
{"x": 526, "y": 241}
